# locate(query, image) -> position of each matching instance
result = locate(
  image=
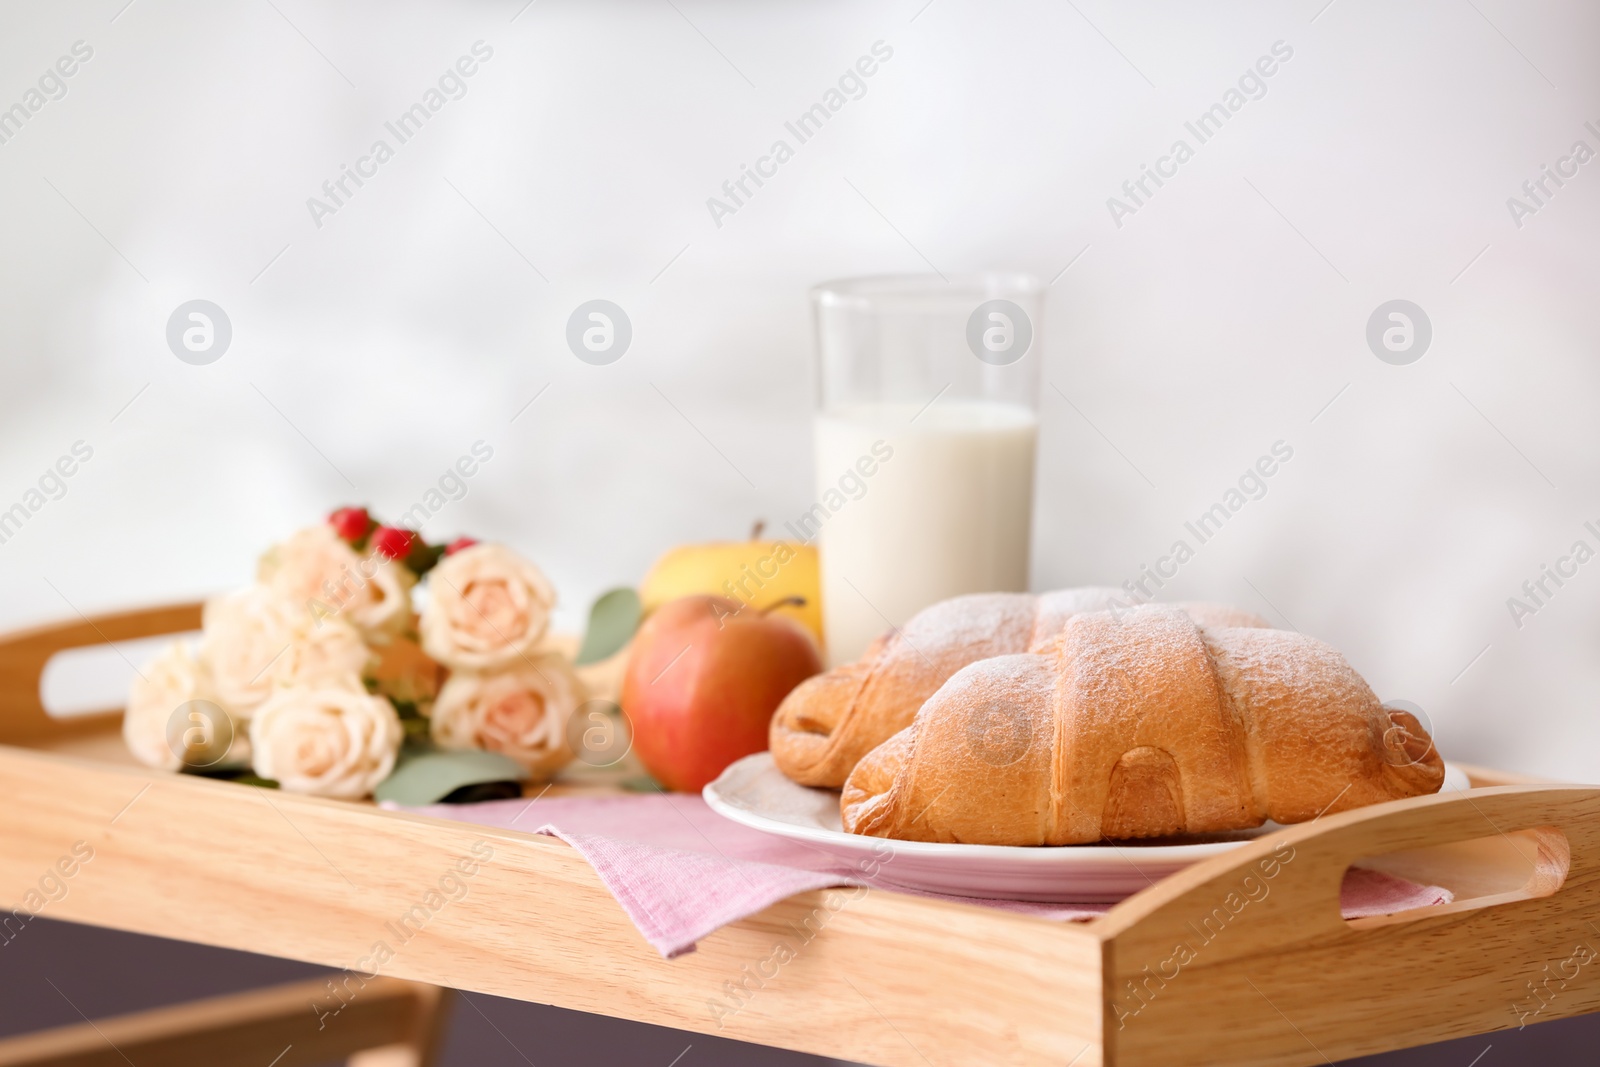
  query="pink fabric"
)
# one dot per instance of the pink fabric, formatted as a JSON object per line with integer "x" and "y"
{"x": 681, "y": 871}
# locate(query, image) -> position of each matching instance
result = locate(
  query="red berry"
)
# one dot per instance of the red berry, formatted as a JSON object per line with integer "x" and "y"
{"x": 392, "y": 542}
{"x": 458, "y": 544}
{"x": 351, "y": 524}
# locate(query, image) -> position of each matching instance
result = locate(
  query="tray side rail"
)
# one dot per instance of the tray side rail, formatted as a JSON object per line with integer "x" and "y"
{"x": 245, "y": 1027}
{"x": 871, "y": 977}
{"x": 24, "y": 653}
{"x": 1246, "y": 960}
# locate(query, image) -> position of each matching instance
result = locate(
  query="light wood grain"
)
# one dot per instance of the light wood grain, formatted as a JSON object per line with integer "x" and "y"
{"x": 1298, "y": 984}
{"x": 890, "y": 979}
{"x": 23, "y": 655}
{"x": 1486, "y": 776}
{"x": 324, "y": 881}
{"x": 273, "y": 1025}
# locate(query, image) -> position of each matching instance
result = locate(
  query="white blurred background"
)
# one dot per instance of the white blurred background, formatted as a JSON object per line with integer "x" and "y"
{"x": 1228, "y": 313}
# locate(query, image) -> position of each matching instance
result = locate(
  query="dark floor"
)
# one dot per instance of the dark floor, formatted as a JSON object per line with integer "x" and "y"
{"x": 51, "y": 970}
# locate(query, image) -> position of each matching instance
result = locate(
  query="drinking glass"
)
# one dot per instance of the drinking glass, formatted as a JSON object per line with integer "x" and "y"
{"x": 925, "y": 434}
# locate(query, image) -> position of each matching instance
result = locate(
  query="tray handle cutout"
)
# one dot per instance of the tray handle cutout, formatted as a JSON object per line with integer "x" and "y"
{"x": 1499, "y": 868}
{"x": 24, "y": 655}
{"x": 1552, "y": 832}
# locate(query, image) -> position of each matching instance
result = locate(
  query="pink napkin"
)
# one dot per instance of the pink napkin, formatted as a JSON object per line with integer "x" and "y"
{"x": 681, "y": 871}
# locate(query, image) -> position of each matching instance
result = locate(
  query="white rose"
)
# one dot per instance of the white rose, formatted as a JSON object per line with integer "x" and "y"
{"x": 487, "y": 608}
{"x": 172, "y": 679}
{"x": 317, "y": 570}
{"x": 521, "y": 713}
{"x": 329, "y": 740}
{"x": 255, "y": 642}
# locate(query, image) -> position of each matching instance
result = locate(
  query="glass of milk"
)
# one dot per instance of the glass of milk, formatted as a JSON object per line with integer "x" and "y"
{"x": 926, "y": 429}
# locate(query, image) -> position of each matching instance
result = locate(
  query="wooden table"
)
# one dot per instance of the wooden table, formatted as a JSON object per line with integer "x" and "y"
{"x": 1272, "y": 974}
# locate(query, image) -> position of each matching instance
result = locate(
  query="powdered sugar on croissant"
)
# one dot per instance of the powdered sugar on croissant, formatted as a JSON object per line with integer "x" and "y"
{"x": 830, "y": 721}
{"x": 1140, "y": 724}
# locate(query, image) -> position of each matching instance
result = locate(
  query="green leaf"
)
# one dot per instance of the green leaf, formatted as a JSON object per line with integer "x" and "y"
{"x": 612, "y": 621}
{"x": 476, "y": 794}
{"x": 428, "y": 777}
{"x": 424, "y": 557}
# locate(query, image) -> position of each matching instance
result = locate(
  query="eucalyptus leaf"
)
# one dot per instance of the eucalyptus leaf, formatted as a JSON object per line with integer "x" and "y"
{"x": 428, "y": 777}
{"x": 474, "y": 794}
{"x": 612, "y": 621}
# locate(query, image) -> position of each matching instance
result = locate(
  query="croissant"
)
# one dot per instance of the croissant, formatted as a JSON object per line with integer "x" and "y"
{"x": 1140, "y": 723}
{"x": 827, "y": 723}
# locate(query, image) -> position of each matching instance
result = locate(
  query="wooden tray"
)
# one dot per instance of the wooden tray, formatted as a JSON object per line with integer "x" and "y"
{"x": 1273, "y": 974}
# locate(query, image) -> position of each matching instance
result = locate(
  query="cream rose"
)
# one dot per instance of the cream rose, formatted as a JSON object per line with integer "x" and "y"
{"x": 487, "y": 608}
{"x": 316, "y": 570}
{"x": 329, "y": 740}
{"x": 521, "y": 713}
{"x": 256, "y": 642}
{"x": 171, "y": 680}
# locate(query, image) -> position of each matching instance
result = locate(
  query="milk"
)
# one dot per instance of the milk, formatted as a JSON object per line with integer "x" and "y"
{"x": 947, "y": 512}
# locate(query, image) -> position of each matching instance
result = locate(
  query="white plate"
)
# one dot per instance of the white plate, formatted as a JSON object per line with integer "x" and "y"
{"x": 755, "y": 793}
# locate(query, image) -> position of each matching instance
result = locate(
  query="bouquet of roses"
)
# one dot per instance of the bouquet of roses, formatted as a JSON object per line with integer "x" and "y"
{"x": 316, "y": 675}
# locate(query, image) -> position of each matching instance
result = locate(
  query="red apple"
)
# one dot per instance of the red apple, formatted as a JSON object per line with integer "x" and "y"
{"x": 703, "y": 680}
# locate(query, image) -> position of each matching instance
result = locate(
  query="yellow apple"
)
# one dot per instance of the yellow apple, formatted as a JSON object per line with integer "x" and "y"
{"x": 756, "y": 573}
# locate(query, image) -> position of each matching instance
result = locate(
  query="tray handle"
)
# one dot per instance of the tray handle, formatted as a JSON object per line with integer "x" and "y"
{"x": 24, "y": 653}
{"x": 1302, "y": 867}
